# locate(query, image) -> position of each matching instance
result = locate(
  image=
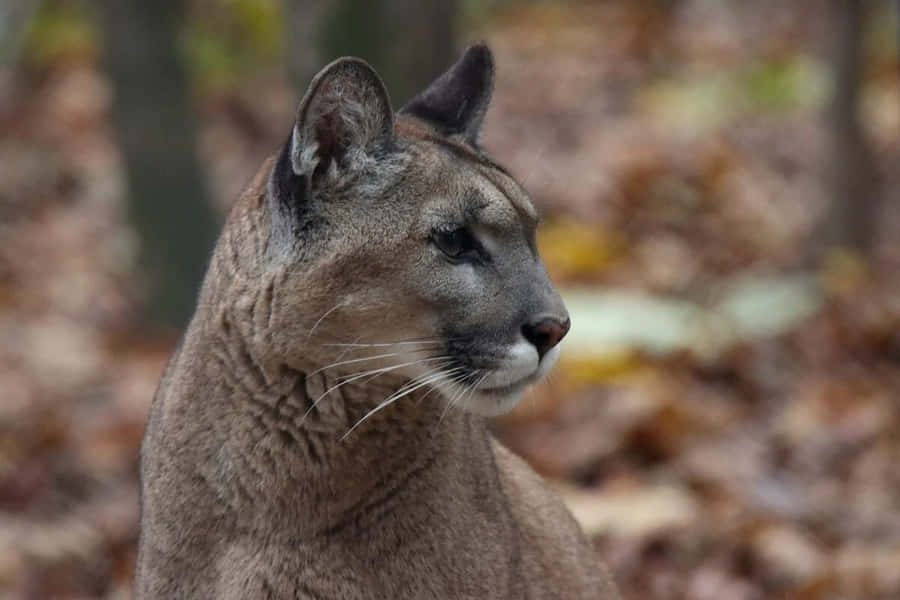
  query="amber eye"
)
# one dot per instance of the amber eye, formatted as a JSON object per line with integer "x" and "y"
{"x": 458, "y": 244}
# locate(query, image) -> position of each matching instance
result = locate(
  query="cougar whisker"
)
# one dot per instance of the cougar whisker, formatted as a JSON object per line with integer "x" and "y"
{"x": 357, "y": 360}
{"x": 459, "y": 384}
{"x": 358, "y": 376}
{"x": 382, "y": 344}
{"x": 415, "y": 380}
{"x": 467, "y": 391}
{"x": 393, "y": 398}
{"x": 322, "y": 318}
{"x": 453, "y": 375}
{"x": 406, "y": 364}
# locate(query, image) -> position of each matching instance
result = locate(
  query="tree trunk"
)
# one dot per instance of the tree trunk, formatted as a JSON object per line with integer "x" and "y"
{"x": 409, "y": 42}
{"x": 168, "y": 198}
{"x": 303, "y": 20}
{"x": 854, "y": 178}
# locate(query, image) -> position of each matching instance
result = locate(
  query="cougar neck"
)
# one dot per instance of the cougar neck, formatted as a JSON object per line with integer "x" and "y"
{"x": 300, "y": 452}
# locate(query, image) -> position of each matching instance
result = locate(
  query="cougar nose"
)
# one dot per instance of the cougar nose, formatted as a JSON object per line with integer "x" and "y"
{"x": 545, "y": 332}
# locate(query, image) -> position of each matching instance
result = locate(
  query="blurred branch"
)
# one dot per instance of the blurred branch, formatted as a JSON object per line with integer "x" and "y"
{"x": 169, "y": 203}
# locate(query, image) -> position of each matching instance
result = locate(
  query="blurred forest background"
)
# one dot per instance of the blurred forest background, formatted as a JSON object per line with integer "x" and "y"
{"x": 719, "y": 186}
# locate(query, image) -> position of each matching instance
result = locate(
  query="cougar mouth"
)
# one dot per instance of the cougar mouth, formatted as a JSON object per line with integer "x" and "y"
{"x": 502, "y": 381}
{"x": 509, "y": 388}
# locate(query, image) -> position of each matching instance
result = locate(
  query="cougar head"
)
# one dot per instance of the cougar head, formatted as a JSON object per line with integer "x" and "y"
{"x": 400, "y": 245}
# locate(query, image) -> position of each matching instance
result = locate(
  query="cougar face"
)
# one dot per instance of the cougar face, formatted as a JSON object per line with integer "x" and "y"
{"x": 401, "y": 246}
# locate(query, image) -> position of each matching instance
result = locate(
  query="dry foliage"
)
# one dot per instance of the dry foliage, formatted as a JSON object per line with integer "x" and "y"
{"x": 667, "y": 149}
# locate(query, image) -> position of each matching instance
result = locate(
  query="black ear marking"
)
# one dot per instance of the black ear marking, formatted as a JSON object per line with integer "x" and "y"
{"x": 456, "y": 102}
{"x": 287, "y": 185}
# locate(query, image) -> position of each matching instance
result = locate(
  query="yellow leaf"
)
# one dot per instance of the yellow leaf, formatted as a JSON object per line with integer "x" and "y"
{"x": 573, "y": 250}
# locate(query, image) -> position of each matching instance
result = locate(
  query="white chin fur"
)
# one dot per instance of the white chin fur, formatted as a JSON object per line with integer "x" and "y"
{"x": 523, "y": 371}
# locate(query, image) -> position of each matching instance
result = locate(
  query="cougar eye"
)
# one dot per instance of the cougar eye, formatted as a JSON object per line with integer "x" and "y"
{"x": 458, "y": 244}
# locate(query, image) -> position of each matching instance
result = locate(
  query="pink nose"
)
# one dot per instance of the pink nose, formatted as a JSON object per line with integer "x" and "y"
{"x": 545, "y": 333}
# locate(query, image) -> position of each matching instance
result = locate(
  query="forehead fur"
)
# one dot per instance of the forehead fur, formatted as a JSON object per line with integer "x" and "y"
{"x": 498, "y": 187}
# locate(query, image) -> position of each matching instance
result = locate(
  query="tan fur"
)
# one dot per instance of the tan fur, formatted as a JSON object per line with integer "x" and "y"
{"x": 250, "y": 487}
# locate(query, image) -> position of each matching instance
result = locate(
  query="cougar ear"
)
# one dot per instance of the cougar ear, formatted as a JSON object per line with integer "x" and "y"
{"x": 345, "y": 114}
{"x": 456, "y": 102}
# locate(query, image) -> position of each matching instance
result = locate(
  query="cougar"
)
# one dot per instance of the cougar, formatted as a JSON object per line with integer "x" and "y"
{"x": 321, "y": 432}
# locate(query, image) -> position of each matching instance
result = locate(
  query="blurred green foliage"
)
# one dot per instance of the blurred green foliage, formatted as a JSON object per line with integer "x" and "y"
{"x": 59, "y": 31}
{"x": 706, "y": 100}
{"x": 222, "y": 40}
{"x": 781, "y": 84}
{"x": 226, "y": 40}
